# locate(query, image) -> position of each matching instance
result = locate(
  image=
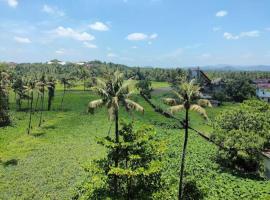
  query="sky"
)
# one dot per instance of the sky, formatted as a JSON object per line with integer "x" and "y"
{"x": 160, "y": 33}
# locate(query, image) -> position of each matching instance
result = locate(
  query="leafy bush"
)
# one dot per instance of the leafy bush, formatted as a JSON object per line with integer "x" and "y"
{"x": 144, "y": 86}
{"x": 139, "y": 170}
{"x": 240, "y": 89}
{"x": 242, "y": 133}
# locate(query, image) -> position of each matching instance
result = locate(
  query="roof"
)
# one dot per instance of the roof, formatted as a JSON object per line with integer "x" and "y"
{"x": 263, "y": 85}
{"x": 259, "y": 81}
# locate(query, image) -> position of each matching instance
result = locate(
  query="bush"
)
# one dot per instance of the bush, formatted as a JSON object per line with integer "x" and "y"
{"x": 242, "y": 133}
{"x": 139, "y": 170}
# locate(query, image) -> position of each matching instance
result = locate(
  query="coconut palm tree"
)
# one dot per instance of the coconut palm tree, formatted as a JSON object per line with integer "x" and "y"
{"x": 66, "y": 83}
{"x": 51, "y": 90}
{"x": 114, "y": 93}
{"x": 186, "y": 95}
{"x": 41, "y": 91}
{"x": 30, "y": 89}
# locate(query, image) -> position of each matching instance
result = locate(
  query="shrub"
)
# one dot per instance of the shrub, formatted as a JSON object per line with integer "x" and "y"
{"x": 139, "y": 170}
{"x": 242, "y": 133}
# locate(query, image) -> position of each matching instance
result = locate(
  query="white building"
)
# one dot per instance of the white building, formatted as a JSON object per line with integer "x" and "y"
{"x": 263, "y": 91}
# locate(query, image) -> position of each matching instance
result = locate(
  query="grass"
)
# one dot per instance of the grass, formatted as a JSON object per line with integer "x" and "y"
{"x": 48, "y": 164}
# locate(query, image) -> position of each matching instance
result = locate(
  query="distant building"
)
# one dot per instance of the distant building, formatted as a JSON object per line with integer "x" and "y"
{"x": 208, "y": 86}
{"x": 263, "y": 91}
{"x": 199, "y": 76}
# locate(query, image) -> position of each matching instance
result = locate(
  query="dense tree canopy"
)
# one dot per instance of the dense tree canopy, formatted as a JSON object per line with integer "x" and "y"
{"x": 242, "y": 133}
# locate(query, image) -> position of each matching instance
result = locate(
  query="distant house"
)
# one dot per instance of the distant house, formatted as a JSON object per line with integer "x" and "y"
{"x": 263, "y": 89}
{"x": 208, "y": 86}
{"x": 199, "y": 76}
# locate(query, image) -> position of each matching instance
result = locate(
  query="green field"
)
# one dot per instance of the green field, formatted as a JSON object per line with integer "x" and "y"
{"x": 48, "y": 164}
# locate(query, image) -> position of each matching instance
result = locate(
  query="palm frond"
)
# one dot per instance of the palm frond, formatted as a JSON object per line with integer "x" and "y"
{"x": 94, "y": 105}
{"x": 169, "y": 101}
{"x": 177, "y": 108}
{"x": 132, "y": 105}
{"x": 100, "y": 91}
{"x": 181, "y": 98}
{"x": 204, "y": 103}
{"x": 199, "y": 110}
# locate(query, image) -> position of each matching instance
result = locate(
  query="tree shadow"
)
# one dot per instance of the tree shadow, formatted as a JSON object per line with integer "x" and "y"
{"x": 237, "y": 171}
{"x": 11, "y": 162}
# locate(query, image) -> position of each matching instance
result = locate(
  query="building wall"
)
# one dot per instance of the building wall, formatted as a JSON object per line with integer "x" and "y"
{"x": 263, "y": 94}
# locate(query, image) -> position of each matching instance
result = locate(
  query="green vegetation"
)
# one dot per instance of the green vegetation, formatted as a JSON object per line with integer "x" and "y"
{"x": 50, "y": 161}
{"x": 243, "y": 133}
{"x": 139, "y": 171}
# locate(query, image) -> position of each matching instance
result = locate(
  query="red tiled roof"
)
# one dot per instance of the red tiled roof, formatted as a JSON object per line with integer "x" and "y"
{"x": 264, "y": 85}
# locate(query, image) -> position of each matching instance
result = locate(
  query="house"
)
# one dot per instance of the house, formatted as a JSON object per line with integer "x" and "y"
{"x": 208, "y": 86}
{"x": 263, "y": 89}
{"x": 199, "y": 76}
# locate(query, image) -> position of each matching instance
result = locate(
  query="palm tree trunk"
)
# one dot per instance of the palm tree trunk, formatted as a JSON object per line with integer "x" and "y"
{"x": 49, "y": 102}
{"x": 42, "y": 107}
{"x": 180, "y": 194}
{"x": 117, "y": 151}
{"x": 30, "y": 115}
{"x": 83, "y": 84}
{"x": 37, "y": 102}
{"x": 63, "y": 96}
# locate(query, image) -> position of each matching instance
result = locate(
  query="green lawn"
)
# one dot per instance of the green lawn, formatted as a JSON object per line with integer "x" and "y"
{"x": 48, "y": 164}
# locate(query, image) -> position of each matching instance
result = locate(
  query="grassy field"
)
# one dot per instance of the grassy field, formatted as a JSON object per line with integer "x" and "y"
{"x": 48, "y": 164}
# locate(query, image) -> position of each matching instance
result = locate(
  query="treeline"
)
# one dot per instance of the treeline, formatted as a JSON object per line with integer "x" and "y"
{"x": 239, "y": 74}
{"x": 94, "y": 68}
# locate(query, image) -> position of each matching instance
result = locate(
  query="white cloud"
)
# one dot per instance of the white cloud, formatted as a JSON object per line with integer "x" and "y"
{"x": 12, "y": 3}
{"x": 60, "y": 51}
{"x": 153, "y": 36}
{"x": 137, "y": 36}
{"x": 89, "y": 45}
{"x": 53, "y": 10}
{"x": 76, "y": 35}
{"x": 216, "y": 29}
{"x": 112, "y": 55}
{"x": 250, "y": 34}
{"x": 22, "y": 40}
{"x": 99, "y": 26}
{"x": 221, "y": 13}
{"x": 134, "y": 47}
{"x": 141, "y": 36}
{"x": 230, "y": 36}
{"x": 267, "y": 29}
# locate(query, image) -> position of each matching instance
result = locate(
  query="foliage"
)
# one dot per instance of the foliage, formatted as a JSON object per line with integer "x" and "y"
{"x": 186, "y": 94}
{"x": 242, "y": 134}
{"x": 50, "y": 160}
{"x": 139, "y": 170}
{"x": 240, "y": 89}
{"x": 144, "y": 86}
{"x": 4, "y": 99}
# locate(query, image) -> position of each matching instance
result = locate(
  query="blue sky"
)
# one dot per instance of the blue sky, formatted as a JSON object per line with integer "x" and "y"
{"x": 165, "y": 33}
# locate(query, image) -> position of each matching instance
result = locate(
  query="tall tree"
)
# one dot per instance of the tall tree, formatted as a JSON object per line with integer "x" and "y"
{"x": 185, "y": 96}
{"x": 4, "y": 82}
{"x": 30, "y": 88}
{"x": 51, "y": 90}
{"x": 114, "y": 92}
{"x": 66, "y": 83}
{"x": 41, "y": 90}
